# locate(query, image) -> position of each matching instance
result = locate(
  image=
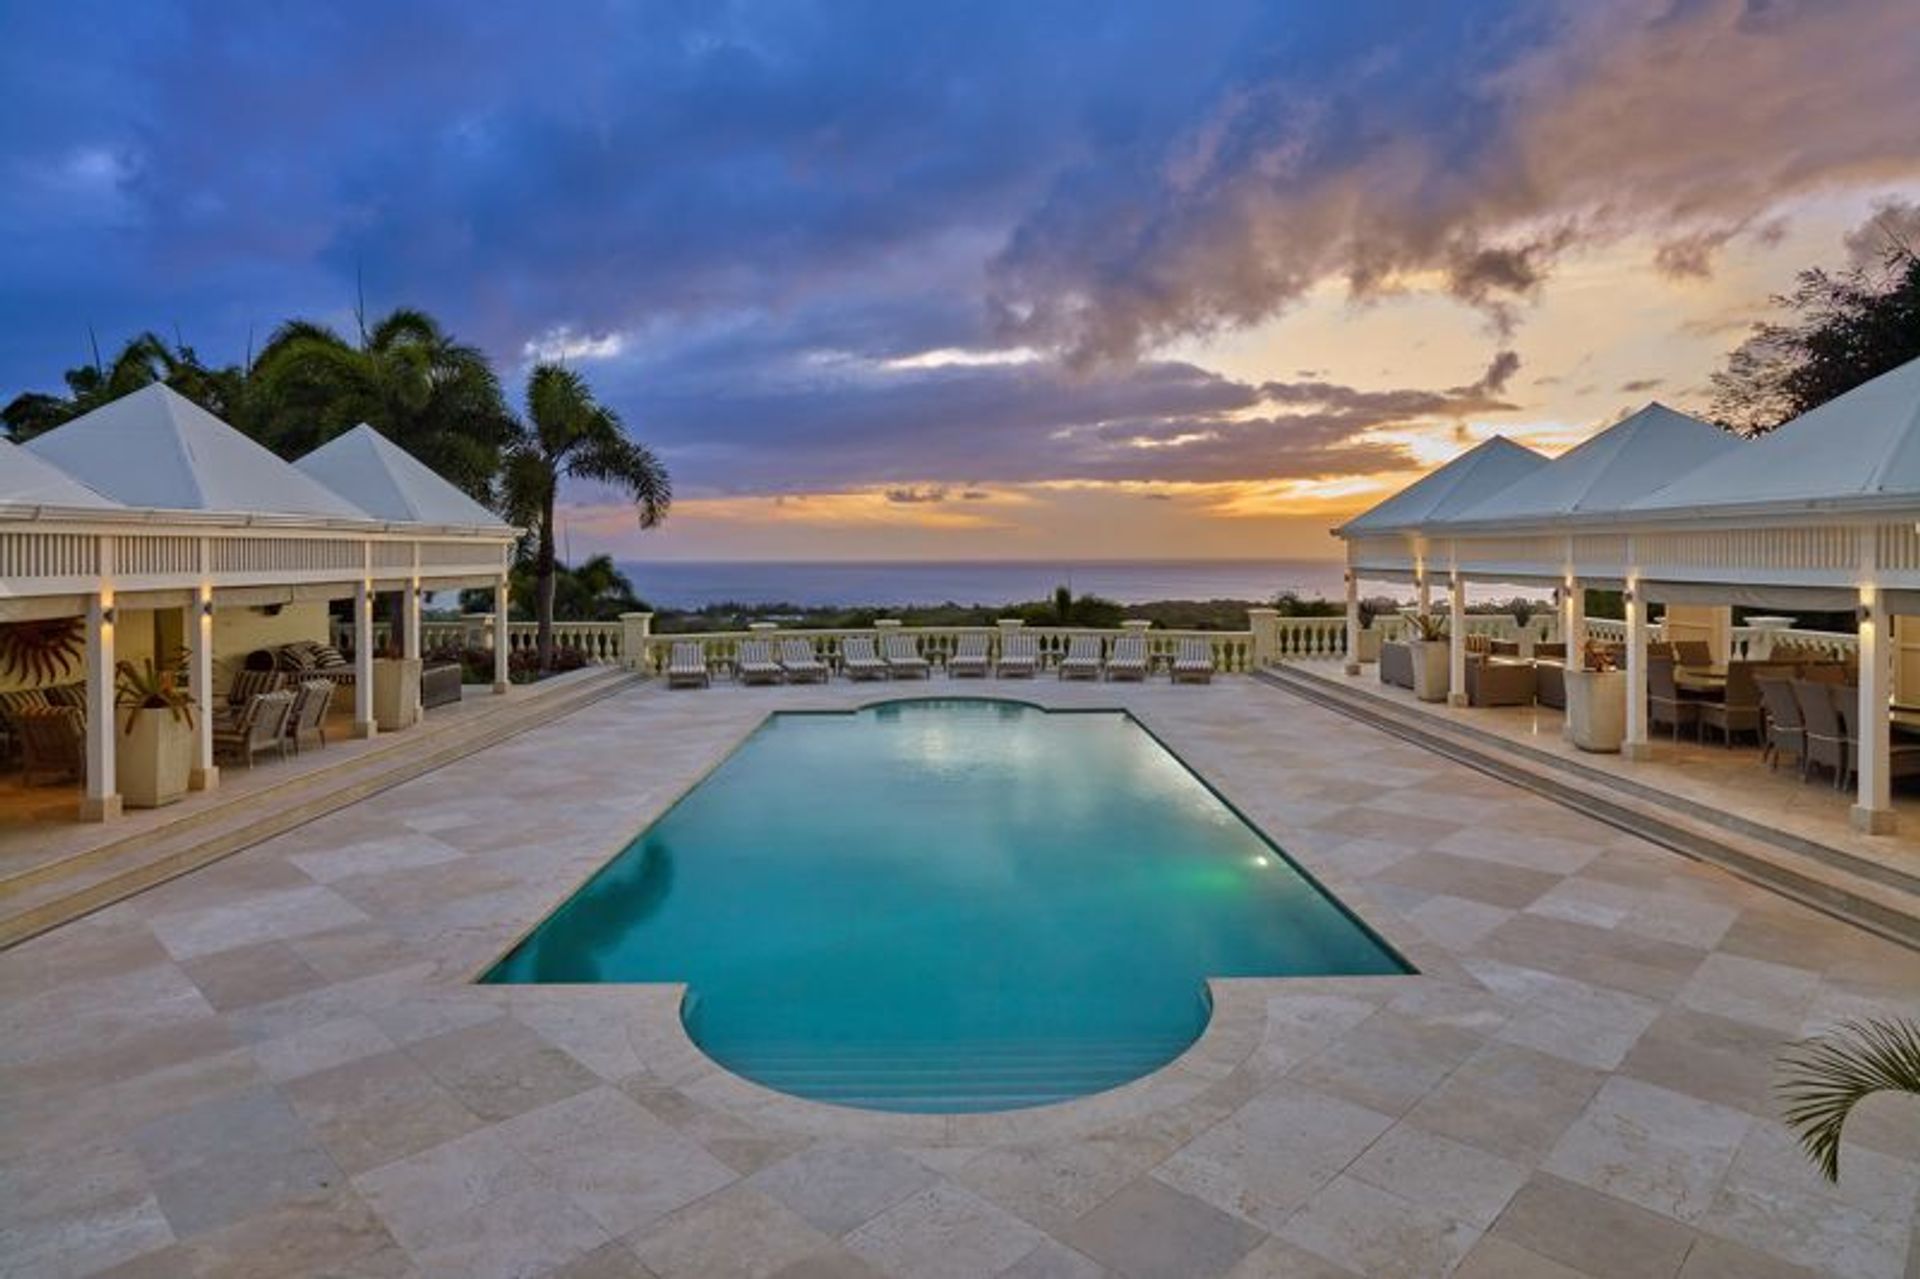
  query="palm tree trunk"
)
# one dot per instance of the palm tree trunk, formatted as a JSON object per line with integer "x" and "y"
{"x": 543, "y": 586}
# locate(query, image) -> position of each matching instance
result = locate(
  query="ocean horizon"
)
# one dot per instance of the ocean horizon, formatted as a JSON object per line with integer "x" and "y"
{"x": 692, "y": 584}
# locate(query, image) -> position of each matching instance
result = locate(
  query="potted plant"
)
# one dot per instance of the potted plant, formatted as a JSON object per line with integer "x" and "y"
{"x": 1596, "y": 701}
{"x": 1428, "y": 641}
{"x": 1369, "y": 612}
{"x": 154, "y": 752}
{"x": 396, "y": 690}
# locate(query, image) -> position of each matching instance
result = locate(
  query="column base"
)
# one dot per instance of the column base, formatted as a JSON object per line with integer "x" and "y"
{"x": 1871, "y": 821}
{"x": 501, "y": 686}
{"x": 364, "y": 728}
{"x": 1636, "y": 750}
{"x": 1353, "y": 668}
{"x": 207, "y": 778}
{"x": 99, "y": 808}
{"x": 1456, "y": 699}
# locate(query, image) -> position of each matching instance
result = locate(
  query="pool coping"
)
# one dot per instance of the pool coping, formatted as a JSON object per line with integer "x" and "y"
{"x": 1237, "y": 1025}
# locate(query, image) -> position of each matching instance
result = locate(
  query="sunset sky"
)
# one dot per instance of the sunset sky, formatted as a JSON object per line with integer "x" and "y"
{"x": 906, "y": 280}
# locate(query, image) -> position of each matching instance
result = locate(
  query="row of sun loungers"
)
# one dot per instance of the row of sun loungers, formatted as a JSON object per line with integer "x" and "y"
{"x": 898, "y": 657}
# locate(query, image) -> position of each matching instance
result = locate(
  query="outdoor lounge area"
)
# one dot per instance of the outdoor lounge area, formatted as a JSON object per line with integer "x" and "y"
{"x": 148, "y": 535}
{"x": 1821, "y": 515}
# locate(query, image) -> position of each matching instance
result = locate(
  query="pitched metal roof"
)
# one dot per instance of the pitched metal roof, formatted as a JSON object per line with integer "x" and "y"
{"x": 386, "y": 481}
{"x": 155, "y": 448}
{"x": 1620, "y": 465}
{"x": 27, "y": 480}
{"x": 1472, "y": 477}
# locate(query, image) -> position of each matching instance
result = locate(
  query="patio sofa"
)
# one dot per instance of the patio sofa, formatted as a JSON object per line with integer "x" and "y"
{"x": 1396, "y": 664}
{"x": 1495, "y": 681}
{"x": 439, "y": 684}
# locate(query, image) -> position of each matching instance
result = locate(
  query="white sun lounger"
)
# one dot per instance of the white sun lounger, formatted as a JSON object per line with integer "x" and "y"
{"x": 687, "y": 665}
{"x": 903, "y": 657}
{"x": 859, "y": 661}
{"x": 1083, "y": 658}
{"x": 1193, "y": 661}
{"x": 1019, "y": 657}
{"x": 754, "y": 664}
{"x": 969, "y": 656}
{"x": 799, "y": 661}
{"x": 1129, "y": 658}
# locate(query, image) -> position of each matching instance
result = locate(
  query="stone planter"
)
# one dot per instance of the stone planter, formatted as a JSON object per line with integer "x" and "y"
{"x": 1597, "y": 710}
{"x": 1430, "y": 674}
{"x": 1369, "y": 645}
{"x": 152, "y": 756}
{"x": 396, "y": 692}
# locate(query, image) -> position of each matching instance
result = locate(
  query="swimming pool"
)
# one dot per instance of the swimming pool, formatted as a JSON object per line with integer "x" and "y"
{"x": 947, "y": 905}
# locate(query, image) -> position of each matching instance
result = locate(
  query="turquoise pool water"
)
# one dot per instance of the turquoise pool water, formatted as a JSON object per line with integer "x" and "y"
{"x": 947, "y": 905}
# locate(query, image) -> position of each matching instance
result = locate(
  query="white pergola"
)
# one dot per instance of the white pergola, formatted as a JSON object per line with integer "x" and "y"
{"x": 1821, "y": 514}
{"x": 152, "y": 502}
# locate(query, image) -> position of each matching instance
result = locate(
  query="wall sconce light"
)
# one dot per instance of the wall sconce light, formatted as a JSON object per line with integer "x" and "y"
{"x": 1863, "y": 614}
{"x": 1626, "y": 596}
{"x": 206, "y": 608}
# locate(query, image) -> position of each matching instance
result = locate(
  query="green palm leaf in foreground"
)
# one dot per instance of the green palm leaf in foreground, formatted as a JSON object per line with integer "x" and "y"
{"x": 1824, "y": 1078}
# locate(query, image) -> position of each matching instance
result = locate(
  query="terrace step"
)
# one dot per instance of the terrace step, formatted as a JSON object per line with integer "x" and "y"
{"x": 1881, "y": 898}
{"x": 941, "y": 1077}
{"x": 46, "y": 896}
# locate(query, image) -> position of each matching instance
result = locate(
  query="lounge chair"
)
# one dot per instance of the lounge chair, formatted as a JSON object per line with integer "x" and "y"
{"x": 754, "y": 664}
{"x": 261, "y": 725}
{"x": 1193, "y": 661}
{"x": 969, "y": 656}
{"x": 1128, "y": 659}
{"x": 902, "y": 654}
{"x": 1019, "y": 657}
{"x": 1396, "y": 664}
{"x": 687, "y": 665}
{"x": 1786, "y": 732}
{"x": 798, "y": 660}
{"x": 249, "y": 684}
{"x": 308, "y": 722}
{"x": 859, "y": 661}
{"x": 1665, "y": 703}
{"x": 1828, "y": 745}
{"x": 1082, "y": 660}
{"x": 53, "y": 742}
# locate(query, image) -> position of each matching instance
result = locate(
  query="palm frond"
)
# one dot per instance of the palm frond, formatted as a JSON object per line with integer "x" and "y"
{"x": 1824, "y": 1078}
{"x": 630, "y": 467}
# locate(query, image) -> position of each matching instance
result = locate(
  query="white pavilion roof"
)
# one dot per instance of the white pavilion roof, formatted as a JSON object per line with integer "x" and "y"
{"x": 386, "y": 481}
{"x": 1861, "y": 448}
{"x": 157, "y": 449}
{"x": 1620, "y": 465}
{"x": 26, "y": 480}
{"x": 1479, "y": 473}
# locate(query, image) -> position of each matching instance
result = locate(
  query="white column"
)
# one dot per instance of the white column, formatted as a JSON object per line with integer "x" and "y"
{"x": 502, "y": 636}
{"x": 102, "y": 798}
{"x": 1573, "y": 619}
{"x": 363, "y": 725}
{"x": 1423, "y": 590}
{"x": 1353, "y": 620}
{"x": 204, "y": 776}
{"x": 1635, "y": 745}
{"x": 1457, "y": 641}
{"x": 1873, "y": 809}
{"x": 410, "y": 642}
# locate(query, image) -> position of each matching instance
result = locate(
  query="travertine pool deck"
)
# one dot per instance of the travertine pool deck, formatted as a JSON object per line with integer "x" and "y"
{"x": 278, "y": 1065}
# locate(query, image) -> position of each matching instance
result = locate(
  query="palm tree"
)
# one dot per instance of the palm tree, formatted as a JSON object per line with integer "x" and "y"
{"x": 568, "y": 433}
{"x": 433, "y": 396}
{"x": 1825, "y": 1078}
{"x": 145, "y": 359}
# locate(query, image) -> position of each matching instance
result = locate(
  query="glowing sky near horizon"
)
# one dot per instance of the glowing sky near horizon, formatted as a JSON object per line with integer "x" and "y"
{"x": 899, "y": 281}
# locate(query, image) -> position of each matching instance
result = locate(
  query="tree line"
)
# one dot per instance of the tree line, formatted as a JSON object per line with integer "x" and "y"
{"x": 434, "y": 396}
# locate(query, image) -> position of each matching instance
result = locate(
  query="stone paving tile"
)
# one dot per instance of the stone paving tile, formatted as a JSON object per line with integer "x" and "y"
{"x": 1376, "y": 1233}
{"x": 1152, "y": 1231}
{"x": 1662, "y": 1150}
{"x": 190, "y": 1076}
{"x": 1593, "y": 1232}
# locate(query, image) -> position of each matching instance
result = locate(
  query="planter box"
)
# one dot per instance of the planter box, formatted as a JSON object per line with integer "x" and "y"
{"x": 396, "y": 692}
{"x": 1596, "y": 710}
{"x": 1369, "y": 645}
{"x": 1430, "y": 674}
{"x": 152, "y": 757}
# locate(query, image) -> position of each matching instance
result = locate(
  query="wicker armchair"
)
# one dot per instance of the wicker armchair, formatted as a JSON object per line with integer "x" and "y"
{"x": 53, "y": 742}
{"x": 260, "y": 725}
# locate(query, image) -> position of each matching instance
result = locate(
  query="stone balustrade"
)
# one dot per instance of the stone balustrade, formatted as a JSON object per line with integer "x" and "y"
{"x": 1233, "y": 651}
